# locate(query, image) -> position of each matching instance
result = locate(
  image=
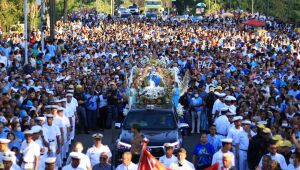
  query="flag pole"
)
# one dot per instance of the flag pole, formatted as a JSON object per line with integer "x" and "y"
{"x": 144, "y": 143}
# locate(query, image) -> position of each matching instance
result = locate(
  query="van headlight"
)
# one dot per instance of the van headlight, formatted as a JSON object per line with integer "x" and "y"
{"x": 122, "y": 145}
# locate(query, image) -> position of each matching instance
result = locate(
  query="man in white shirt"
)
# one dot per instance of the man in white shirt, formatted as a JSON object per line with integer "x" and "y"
{"x": 75, "y": 162}
{"x": 84, "y": 159}
{"x": 242, "y": 144}
{"x": 182, "y": 163}
{"x": 233, "y": 134}
{"x": 168, "y": 158}
{"x": 218, "y": 105}
{"x": 4, "y": 150}
{"x": 30, "y": 152}
{"x": 275, "y": 156}
{"x": 95, "y": 151}
{"x": 222, "y": 123}
{"x": 36, "y": 130}
{"x": 8, "y": 164}
{"x": 218, "y": 156}
{"x": 127, "y": 164}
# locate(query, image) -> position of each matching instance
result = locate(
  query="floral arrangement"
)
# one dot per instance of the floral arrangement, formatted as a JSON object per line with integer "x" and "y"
{"x": 152, "y": 92}
{"x": 180, "y": 110}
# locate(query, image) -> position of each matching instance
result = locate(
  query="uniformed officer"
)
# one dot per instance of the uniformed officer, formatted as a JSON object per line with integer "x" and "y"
{"x": 30, "y": 152}
{"x": 242, "y": 144}
{"x": 8, "y": 164}
{"x": 52, "y": 134}
{"x": 50, "y": 163}
{"x": 36, "y": 130}
{"x": 4, "y": 150}
{"x": 71, "y": 113}
{"x": 84, "y": 160}
{"x": 218, "y": 104}
{"x": 233, "y": 134}
{"x": 66, "y": 132}
{"x": 222, "y": 123}
{"x": 168, "y": 158}
{"x": 75, "y": 162}
{"x": 226, "y": 147}
{"x": 95, "y": 151}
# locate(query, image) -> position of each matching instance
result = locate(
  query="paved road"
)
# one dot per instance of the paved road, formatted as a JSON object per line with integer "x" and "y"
{"x": 189, "y": 142}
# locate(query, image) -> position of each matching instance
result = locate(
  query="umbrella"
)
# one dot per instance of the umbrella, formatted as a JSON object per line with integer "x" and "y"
{"x": 227, "y": 15}
{"x": 254, "y": 23}
{"x": 201, "y": 4}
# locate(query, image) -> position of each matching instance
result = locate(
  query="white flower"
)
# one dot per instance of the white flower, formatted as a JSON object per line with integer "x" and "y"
{"x": 180, "y": 110}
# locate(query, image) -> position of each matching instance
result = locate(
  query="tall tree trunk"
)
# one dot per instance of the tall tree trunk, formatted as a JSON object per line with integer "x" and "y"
{"x": 65, "y": 9}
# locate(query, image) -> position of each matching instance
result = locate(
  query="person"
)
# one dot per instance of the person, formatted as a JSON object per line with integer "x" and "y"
{"x": 203, "y": 153}
{"x": 103, "y": 164}
{"x": 136, "y": 143}
{"x": 227, "y": 159}
{"x": 213, "y": 138}
{"x": 295, "y": 165}
{"x": 66, "y": 132}
{"x": 226, "y": 147}
{"x": 36, "y": 130}
{"x": 266, "y": 159}
{"x": 8, "y": 164}
{"x": 275, "y": 156}
{"x": 85, "y": 162}
{"x": 5, "y": 151}
{"x": 222, "y": 122}
{"x": 257, "y": 147}
{"x": 52, "y": 134}
{"x": 75, "y": 162}
{"x": 95, "y": 151}
{"x": 242, "y": 144}
{"x": 233, "y": 134}
{"x": 127, "y": 164}
{"x": 168, "y": 158}
{"x": 30, "y": 152}
{"x": 196, "y": 110}
{"x": 285, "y": 150}
{"x": 50, "y": 163}
{"x": 182, "y": 163}
{"x": 218, "y": 104}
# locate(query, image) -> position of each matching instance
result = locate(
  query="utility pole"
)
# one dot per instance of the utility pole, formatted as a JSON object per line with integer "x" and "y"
{"x": 252, "y": 7}
{"x": 25, "y": 31}
{"x": 42, "y": 24}
{"x": 52, "y": 19}
{"x": 112, "y": 3}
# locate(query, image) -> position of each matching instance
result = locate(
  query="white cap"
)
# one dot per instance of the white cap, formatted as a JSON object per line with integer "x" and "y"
{"x": 167, "y": 145}
{"x": 235, "y": 118}
{"x": 4, "y": 141}
{"x": 36, "y": 129}
{"x": 7, "y": 158}
{"x": 40, "y": 118}
{"x": 227, "y": 140}
{"x": 230, "y": 98}
{"x": 69, "y": 94}
{"x": 28, "y": 132}
{"x": 49, "y": 115}
{"x": 61, "y": 109}
{"x": 224, "y": 109}
{"x": 50, "y": 160}
{"x": 262, "y": 122}
{"x": 248, "y": 122}
{"x": 27, "y": 76}
{"x": 70, "y": 91}
{"x": 75, "y": 155}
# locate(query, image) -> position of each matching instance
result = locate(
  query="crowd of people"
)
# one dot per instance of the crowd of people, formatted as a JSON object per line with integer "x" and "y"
{"x": 243, "y": 94}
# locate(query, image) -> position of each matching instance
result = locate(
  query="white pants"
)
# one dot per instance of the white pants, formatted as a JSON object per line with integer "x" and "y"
{"x": 243, "y": 163}
{"x": 194, "y": 115}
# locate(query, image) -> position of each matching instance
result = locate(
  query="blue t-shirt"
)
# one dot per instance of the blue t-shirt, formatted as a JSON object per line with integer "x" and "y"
{"x": 197, "y": 101}
{"x": 204, "y": 153}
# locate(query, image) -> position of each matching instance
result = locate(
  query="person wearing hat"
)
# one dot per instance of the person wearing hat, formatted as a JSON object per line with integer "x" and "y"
{"x": 222, "y": 123}
{"x": 226, "y": 147}
{"x": 65, "y": 132}
{"x": 233, "y": 134}
{"x": 182, "y": 163}
{"x": 52, "y": 133}
{"x": 168, "y": 158}
{"x": 275, "y": 156}
{"x": 50, "y": 163}
{"x": 286, "y": 150}
{"x": 127, "y": 163}
{"x": 95, "y": 151}
{"x": 75, "y": 162}
{"x": 230, "y": 101}
{"x": 218, "y": 104}
{"x": 4, "y": 149}
{"x": 257, "y": 147}
{"x": 71, "y": 106}
{"x": 8, "y": 163}
{"x": 81, "y": 110}
{"x": 30, "y": 151}
{"x": 85, "y": 162}
{"x": 36, "y": 130}
{"x": 242, "y": 144}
